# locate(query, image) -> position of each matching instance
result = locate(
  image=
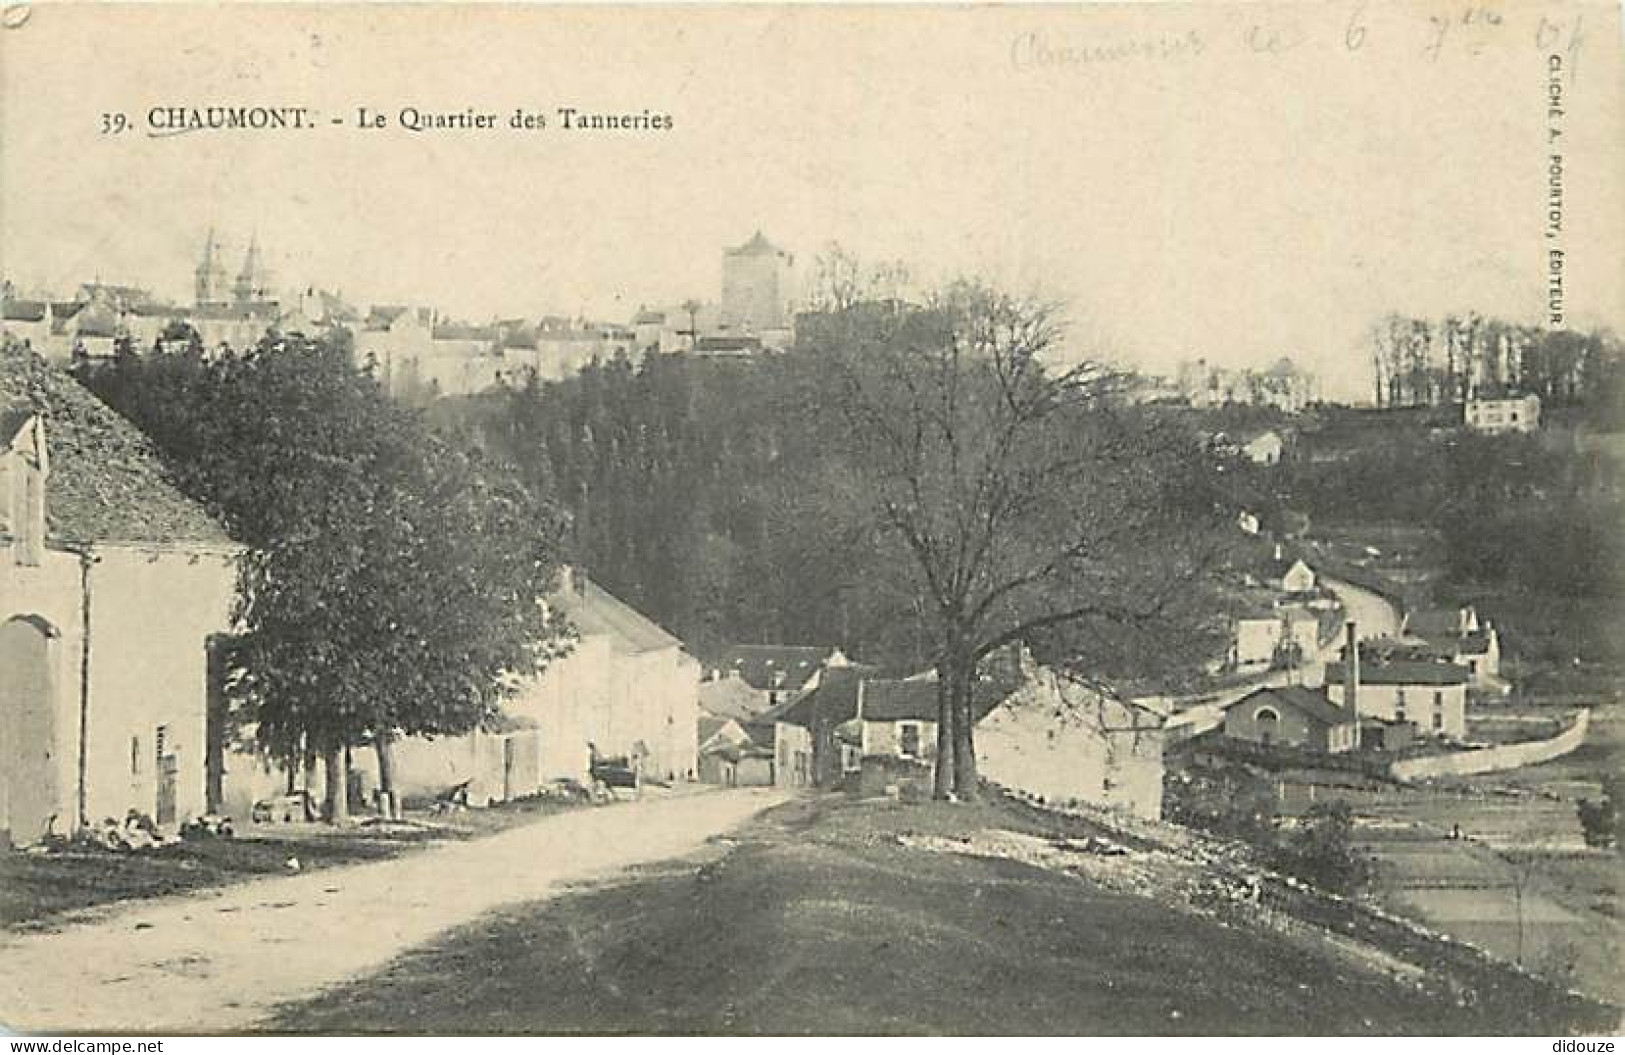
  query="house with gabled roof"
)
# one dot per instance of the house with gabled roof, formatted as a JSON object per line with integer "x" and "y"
{"x": 729, "y": 756}
{"x": 729, "y": 696}
{"x": 1285, "y": 572}
{"x": 115, "y": 591}
{"x": 1063, "y": 739}
{"x": 1262, "y": 448}
{"x": 1285, "y": 636}
{"x": 1430, "y": 694}
{"x": 27, "y": 320}
{"x": 776, "y": 672}
{"x": 624, "y": 689}
{"x": 394, "y": 339}
{"x": 1292, "y": 716}
{"x": 1458, "y": 635}
{"x": 1038, "y": 731}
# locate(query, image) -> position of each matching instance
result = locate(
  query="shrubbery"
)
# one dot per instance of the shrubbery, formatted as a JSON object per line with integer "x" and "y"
{"x": 1320, "y": 850}
{"x": 1235, "y": 804}
{"x": 1600, "y": 821}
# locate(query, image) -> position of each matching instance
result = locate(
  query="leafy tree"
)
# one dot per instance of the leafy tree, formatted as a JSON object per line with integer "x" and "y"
{"x": 392, "y": 583}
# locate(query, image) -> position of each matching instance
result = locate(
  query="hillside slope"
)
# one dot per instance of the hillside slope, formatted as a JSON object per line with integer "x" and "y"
{"x": 824, "y": 916}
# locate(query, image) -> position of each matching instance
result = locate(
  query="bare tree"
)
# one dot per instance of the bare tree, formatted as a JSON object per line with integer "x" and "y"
{"x": 1029, "y": 502}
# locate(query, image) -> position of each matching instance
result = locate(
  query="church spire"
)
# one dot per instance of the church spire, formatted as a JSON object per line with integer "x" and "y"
{"x": 253, "y": 281}
{"x": 210, "y": 276}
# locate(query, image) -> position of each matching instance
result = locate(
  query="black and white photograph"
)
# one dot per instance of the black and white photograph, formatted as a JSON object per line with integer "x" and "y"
{"x": 812, "y": 520}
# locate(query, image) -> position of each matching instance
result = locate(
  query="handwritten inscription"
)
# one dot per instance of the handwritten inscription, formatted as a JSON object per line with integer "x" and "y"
{"x": 1447, "y": 32}
{"x": 1034, "y": 51}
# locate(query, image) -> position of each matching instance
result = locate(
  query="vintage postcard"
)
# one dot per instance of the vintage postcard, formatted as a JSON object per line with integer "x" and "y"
{"x": 812, "y": 520}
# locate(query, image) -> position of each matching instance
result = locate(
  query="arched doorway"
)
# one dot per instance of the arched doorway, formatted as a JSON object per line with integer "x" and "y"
{"x": 1268, "y": 721}
{"x": 30, "y": 770}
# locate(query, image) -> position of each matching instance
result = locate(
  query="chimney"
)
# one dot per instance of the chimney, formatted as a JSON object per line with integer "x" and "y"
{"x": 1277, "y": 551}
{"x": 1351, "y": 675}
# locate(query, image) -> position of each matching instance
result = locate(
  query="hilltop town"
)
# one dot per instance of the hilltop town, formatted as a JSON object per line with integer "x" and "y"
{"x": 417, "y": 351}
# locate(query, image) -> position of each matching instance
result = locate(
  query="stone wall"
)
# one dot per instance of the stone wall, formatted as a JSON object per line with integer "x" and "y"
{"x": 1494, "y": 759}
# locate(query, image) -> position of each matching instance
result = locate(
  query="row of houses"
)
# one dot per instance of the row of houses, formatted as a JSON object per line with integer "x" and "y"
{"x": 1347, "y": 435}
{"x": 1263, "y": 445}
{"x": 417, "y": 351}
{"x": 1384, "y": 693}
{"x": 800, "y": 717}
{"x": 115, "y": 601}
{"x": 626, "y": 690}
{"x": 98, "y": 317}
{"x": 115, "y": 604}
{"x": 115, "y": 597}
{"x": 413, "y": 349}
{"x": 1284, "y": 386}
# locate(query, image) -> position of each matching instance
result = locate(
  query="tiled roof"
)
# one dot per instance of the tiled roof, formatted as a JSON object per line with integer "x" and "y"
{"x": 1312, "y": 704}
{"x": 728, "y": 344}
{"x": 1426, "y": 622}
{"x": 709, "y": 727}
{"x": 757, "y": 246}
{"x": 835, "y": 697}
{"x": 1404, "y": 672}
{"x": 335, "y": 307}
{"x": 523, "y": 338}
{"x": 24, "y": 310}
{"x": 891, "y": 701}
{"x": 463, "y": 332}
{"x": 116, "y": 291}
{"x": 107, "y": 483}
{"x": 595, "y": 610}
{"x": 383, "y": 316}
{"x": 775, "y": 666}
{"x": 916, "y": 700}
{"x": 95, "y": 323}
{"x": 841, "y": 691}
{"x": 732, "y": 698}
{"x": 155, "y": 311}
{"x": 13, "y": 416}
{"x": 571, "y": 334}
{"x": 250, "y": 312}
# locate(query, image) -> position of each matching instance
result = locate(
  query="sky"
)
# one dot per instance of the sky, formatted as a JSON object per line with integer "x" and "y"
{"x": 1221, "y": 181}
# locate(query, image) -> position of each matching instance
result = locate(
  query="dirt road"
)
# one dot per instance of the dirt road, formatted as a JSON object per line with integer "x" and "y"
{"x": 220, "y": 961}
{"x": 1372, "y": 614}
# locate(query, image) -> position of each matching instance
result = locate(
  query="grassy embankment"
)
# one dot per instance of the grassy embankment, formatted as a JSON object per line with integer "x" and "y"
{"x": 826, "y": 916}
